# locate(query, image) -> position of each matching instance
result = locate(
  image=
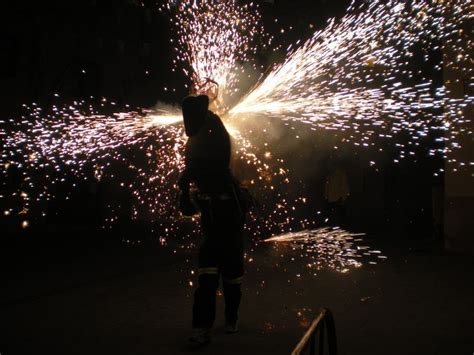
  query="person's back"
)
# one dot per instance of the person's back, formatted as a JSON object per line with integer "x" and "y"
{"x": 207, "y": 156}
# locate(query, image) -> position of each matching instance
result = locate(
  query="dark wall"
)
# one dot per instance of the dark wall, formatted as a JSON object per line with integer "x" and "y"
{"x": 117, "y": 49}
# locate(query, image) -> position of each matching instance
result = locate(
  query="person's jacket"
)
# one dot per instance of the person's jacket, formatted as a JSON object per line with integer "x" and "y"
{"x": 207, "y": 158}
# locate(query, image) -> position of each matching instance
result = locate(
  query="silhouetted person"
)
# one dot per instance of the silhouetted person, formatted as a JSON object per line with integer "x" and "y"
{"x": 216, "y": 193}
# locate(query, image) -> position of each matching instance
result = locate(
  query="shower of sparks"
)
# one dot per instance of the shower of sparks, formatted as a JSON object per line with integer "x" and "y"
{"x": 357, "y": 76}
{"x": 327, "y": 247}
{"x": 267, "y": 180}
{"x": 140, "y": 153}
{"x": 45, "y": 149}
{"x": 217, "y": 36}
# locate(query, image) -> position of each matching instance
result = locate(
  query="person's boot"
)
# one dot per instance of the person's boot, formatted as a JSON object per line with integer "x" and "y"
{"x": 200, "y": 336}
{"x": 231, "y": 328}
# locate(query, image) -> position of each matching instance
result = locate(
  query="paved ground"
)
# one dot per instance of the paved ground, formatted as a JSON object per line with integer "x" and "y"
{"x": 124, "y": 300}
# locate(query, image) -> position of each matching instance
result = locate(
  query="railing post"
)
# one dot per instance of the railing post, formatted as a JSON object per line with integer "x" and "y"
{"x": 322, "y": 323}
{"x": 312, "y": 345}
{"x": 331, "y": 327}
{"x": 321, "y": 338}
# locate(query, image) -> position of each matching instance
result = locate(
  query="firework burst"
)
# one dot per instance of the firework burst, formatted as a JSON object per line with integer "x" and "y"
{"x": 357, "y": 76}
{"x": 217, "y": 37}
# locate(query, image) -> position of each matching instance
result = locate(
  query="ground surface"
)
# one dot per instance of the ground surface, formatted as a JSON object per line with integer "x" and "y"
{"x": 112, "y": 299}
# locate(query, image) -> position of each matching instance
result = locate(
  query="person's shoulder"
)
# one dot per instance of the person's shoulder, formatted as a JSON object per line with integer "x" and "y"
{"x": 213, "y": 116}
{"x": 214, "y": 120}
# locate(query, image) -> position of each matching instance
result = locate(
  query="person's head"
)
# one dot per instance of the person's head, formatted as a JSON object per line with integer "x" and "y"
{"x": 194, "y": 113}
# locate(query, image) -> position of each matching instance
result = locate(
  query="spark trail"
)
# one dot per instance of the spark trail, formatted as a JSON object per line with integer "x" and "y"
{"x": 47, "y": 149}
{"x": 328, "y": 246}
{"x": 357, "y": 75}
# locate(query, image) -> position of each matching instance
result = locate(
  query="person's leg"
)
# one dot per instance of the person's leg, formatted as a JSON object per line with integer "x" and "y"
{"x": 232, "y": 275}
{"x": 204, "y": 308}
{"x": 232, "y": 296}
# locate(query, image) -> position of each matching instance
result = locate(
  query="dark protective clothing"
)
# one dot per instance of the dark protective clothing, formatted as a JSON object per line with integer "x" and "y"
{"x": 220, "y": 255}
{"x": 207, "y": 158}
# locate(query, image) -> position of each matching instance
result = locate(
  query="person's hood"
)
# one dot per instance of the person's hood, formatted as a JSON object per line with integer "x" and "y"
{"x": 194, "y": 113}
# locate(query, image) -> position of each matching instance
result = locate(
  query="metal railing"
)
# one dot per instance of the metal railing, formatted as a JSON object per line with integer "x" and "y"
{"x": 323, "y": 323}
